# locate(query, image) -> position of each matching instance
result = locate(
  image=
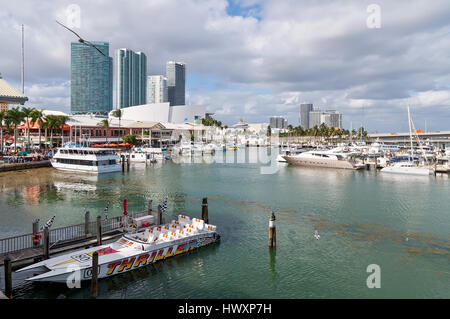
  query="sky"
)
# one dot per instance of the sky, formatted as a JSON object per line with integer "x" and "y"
{"x": 253, "y": 59}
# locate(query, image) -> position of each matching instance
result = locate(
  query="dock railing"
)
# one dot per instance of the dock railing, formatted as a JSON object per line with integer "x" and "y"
{"x": 63, "y": 234}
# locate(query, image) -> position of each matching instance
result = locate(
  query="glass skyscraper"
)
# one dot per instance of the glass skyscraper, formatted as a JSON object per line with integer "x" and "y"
{"x": 131, "y": 78}
{"x": 91, "y": 84}
{"x": 176, "y": 80}
{"x": 157, "y": 89}
{"x": 305, "y": 108}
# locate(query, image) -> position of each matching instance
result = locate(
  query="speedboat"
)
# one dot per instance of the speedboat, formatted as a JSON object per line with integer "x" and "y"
{"x": 131, "y": 251}
{"x": 86, "y": 159}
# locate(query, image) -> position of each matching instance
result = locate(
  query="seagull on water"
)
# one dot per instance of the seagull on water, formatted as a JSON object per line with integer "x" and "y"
{"x": 81, "y": 40}
{"x": 316, "y": 234}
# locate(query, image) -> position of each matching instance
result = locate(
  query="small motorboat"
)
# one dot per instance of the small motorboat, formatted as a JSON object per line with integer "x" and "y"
{"x": 131, "y": 251}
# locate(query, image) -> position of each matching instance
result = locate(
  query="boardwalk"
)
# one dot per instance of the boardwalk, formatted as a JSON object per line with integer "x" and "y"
{"x": 27, "y": 165}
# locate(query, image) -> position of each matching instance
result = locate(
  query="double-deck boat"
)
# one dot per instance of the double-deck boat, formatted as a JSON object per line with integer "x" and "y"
{"x": 131, "y": 251}
{"x": 86, "y": 159}
{"x": 335, "y": 158}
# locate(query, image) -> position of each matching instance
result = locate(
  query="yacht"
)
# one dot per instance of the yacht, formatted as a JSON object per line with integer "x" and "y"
{"x": 335, "y": 158}
{"x": 408, "y": 168}
{"x": 86, "y": 159}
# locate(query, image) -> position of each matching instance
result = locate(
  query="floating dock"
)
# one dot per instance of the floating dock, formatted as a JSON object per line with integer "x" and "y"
{"x": 26, "y": 165}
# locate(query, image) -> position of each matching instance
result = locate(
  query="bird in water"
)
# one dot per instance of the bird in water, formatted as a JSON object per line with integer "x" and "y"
{"x": 316, "y": 234}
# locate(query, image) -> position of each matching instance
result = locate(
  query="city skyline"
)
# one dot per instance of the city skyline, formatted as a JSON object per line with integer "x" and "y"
{"x": 371, "y": 74}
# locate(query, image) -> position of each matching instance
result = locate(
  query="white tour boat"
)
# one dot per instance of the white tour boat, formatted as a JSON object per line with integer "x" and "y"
{"x": 131, "y": 251}
{"x": 408, "y": 168}
{"x": 86, "y": 159}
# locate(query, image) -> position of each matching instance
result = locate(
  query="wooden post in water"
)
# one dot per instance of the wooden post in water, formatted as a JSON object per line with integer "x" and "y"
{"x": 35, "y": 230}
{"x": 99, "y": 230}
{"x": 272, "y": 231}
{"x": 149, "y": 207}
{"x": 94, "y": 279}
{"x": 159, "y": 219}
{"x": 87, "y": 218}
{"x": 375, "y": 165}
{"x": 46, "y": 245}
{"x": 128, "y": 162}
{"x": 205, "y": 210}
{"x": 122, "y": 158}
{"x": 8, "y": 278}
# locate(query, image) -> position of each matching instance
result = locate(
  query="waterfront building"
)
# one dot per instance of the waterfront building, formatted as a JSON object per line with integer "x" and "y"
{"x": 278, "y": 122}
{"x": 305, "y": 108}
{"x": 131, "y": 78}
{"x": 156, "y": 89}
{"x": 91, "y": 83}
{"x": 176, "y": 81}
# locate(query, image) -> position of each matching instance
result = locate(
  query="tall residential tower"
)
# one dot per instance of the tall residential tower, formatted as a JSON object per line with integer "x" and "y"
{"x": 305, "y": 108}
{"x": 90, "y": 78}
{"x": 156, "y": 89}
{"x": 176, "y": 81}
{"x": 131, "y": 78}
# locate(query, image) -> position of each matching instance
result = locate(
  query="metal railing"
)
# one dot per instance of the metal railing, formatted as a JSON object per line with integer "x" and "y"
{"x": 63, "y": 234}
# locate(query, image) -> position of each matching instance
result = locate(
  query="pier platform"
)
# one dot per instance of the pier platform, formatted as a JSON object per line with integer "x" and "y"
{"x": 26, "y": 165}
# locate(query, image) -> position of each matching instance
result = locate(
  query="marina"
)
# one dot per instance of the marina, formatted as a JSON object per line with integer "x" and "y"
{"x": 362, "y": 217}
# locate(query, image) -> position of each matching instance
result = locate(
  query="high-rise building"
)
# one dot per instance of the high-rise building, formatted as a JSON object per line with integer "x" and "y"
{"x": 305, "y": 108}
{"x": 91, "y": 80}
{"x": 315, "y": 118}
{"x": 131, "y": 78}
{"x": 332, "y": 118}
{"x": 278, "y": 122}
{"x": 156, "y": 89}
{"x": 176, "y": 80}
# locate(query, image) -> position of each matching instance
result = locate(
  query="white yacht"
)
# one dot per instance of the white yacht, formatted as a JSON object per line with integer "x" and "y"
{"x": 86, "y": 159}
{"x": 335, "y": 158}
{"x": 408, "y": 168}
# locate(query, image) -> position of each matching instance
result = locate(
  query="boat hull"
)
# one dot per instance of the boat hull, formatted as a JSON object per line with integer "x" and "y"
{"x": 87, "y": 169}
{"x": 421, "y": 171}
{"x": 108, "y": 267}
{"x": 323, "y": 162}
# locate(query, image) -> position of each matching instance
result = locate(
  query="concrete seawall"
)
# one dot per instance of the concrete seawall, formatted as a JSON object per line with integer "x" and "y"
{"x": 27, "y": 165}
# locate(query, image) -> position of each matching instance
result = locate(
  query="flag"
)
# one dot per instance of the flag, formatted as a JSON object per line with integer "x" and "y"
{"x": 164, "y": 205}
{"x": 49, "y": 223}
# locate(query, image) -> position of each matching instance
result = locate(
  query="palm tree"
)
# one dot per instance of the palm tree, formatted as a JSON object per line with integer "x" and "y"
{"x": 117, "y": 113}
{"x": 2, "y": 117}
{"x": 61, "y": 122}
{"x": 15, "y": 117}
{"x": 26, "y": 111}
{"x": 104, "y": 124}
{"x": 38, "y": 116}
{"x": 51, "y": 123}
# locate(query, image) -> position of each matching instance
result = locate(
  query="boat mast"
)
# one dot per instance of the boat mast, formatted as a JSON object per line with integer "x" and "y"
{"x": 410, "y": 134}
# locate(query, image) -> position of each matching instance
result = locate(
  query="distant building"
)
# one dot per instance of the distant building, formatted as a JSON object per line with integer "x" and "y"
{"x": 305, "y": 108}
{"x": 332, "y": 118}
{"x": 176, "y": 81}
{"x": 156, "y": 89}
{"x": 315, "y": 118}
{"x": 131, "y": 78}
{"x": 278, "y": 122}
{"x": 91, "y": 80}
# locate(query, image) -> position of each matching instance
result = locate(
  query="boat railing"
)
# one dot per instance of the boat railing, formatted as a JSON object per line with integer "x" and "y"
{"x": 64, "y": 234}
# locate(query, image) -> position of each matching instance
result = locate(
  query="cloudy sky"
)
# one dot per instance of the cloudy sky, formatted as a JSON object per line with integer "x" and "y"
{"x": 252, "y": 59}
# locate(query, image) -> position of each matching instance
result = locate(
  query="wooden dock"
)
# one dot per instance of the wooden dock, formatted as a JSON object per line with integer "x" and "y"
{"x": 26, "y": 165}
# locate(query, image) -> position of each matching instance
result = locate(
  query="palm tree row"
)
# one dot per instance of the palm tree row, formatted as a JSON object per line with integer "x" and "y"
{"x": 324, "y": 131}
{"x": 15, "y": 116}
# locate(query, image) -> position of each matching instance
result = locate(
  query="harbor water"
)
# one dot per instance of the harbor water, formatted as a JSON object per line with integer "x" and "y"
{"x": 400, "y": 223}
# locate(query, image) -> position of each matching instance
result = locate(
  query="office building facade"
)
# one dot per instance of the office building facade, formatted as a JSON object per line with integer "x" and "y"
{"x": 156, "y": 89}
{"x": 176, "y": 81}
{"x": 305, "y": 108}
{"x": 131, "y": 78}
{"x": 91, "y": 78}
{"x": 278, "y": 122}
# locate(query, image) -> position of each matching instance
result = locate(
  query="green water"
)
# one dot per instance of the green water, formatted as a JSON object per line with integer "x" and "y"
{"x": 400, "y": 223}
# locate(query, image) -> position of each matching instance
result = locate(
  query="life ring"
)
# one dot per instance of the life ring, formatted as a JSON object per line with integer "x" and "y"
{"x": 37, "y": 238}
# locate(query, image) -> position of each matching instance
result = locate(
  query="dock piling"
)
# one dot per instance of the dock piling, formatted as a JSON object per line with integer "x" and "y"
{"x": 8, "y": 278}
{"x": 272, "y": 231}
{"x": 87, "y": 218}
{"x": 35, "y": 230}
{"x": 122, "y": 158}
{"x": 205, "y": 210}
{"x": 128, "y": 162}
{"x": 46, "y": 246}
{"x": 99, "y": 230}
{"x": 94, "y": 279}
{"x": 159, "y": 219}
{"x": 149, "y": 207}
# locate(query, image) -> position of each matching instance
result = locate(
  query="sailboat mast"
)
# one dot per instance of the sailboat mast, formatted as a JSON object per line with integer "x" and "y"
{"x": 410, "y": 134}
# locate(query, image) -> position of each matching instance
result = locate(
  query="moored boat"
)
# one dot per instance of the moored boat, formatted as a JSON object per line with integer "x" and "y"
{"x": 131, "y": 251}
{"x": 335, "y": 158}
